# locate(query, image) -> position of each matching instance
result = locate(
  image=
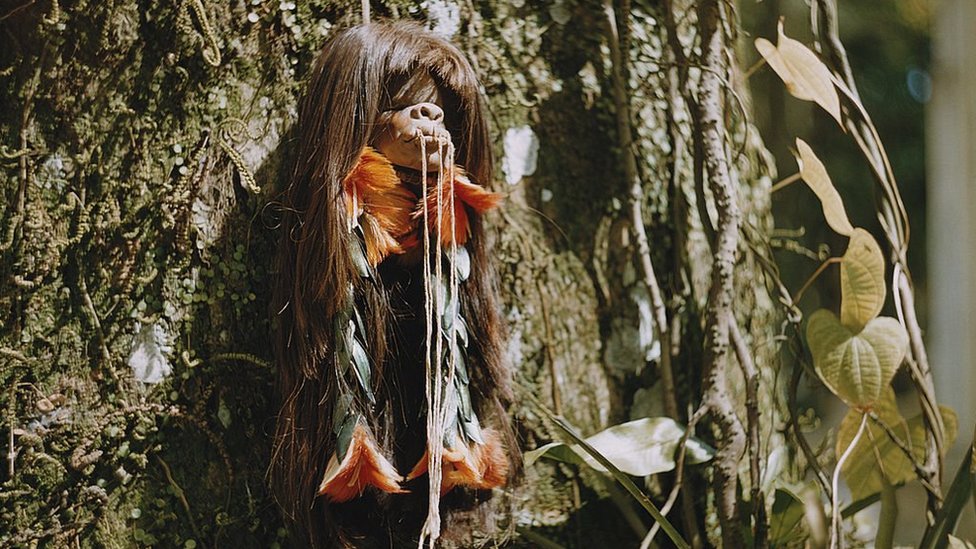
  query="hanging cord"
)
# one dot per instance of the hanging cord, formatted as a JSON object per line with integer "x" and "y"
{"x": 365, "y": 11}
{"x": 432, "y": 523}
{"x": 437, "y": 299}
{"x": 448, "y": 154}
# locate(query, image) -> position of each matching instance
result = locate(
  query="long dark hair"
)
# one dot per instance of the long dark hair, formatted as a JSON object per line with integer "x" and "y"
{"x": 356, "y": 74}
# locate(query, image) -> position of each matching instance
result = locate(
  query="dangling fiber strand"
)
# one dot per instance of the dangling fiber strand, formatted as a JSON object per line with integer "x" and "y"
{"x": 435, "y": 300}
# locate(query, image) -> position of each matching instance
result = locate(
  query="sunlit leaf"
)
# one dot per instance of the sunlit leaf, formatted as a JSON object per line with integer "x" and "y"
{"x": 806, "y": 77}
{"x": 956, "y": 543}
{"x": 622, "y": 479}
{"x": 815, "y": 175}
{"x": 640, "y": 448}
{"x": 856, "y": 367}
{"x": 862, "y": 281}
{"x": 876, "y": 456}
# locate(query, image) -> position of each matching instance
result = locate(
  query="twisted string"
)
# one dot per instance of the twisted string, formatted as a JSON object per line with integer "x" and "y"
{"x": 438, "y": 404}
{"x": 432, "y": 523}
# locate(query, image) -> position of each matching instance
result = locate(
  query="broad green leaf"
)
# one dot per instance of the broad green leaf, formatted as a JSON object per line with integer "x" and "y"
{"x": 815, "y": 175}
{"x": 785, "y": 520}
{"x": 621, "y": 479}
{"x": 876, "y": 456}
{"x": 640, "y": 448}
{"x": 856, "y": 367}
{"x": 862, "y": 281}
{"x": 556, "y": 451}
{"x": 806, "y": 77}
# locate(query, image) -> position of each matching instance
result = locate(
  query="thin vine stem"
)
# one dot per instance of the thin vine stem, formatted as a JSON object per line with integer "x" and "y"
{"x": 835, "y": 514}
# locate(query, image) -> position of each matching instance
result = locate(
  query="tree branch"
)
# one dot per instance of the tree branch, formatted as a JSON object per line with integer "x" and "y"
{"x": 731, "y": 438}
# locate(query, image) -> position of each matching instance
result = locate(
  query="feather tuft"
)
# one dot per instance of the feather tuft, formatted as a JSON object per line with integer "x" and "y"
{"x": 456, "y": 228}
{"x": 376, "y": 200}
{"x": 362, "y": 466}
{"x": 476, "y": 466}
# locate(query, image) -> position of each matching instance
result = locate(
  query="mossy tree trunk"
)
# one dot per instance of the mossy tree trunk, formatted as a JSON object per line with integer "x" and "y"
{"x": 142, "y": 146}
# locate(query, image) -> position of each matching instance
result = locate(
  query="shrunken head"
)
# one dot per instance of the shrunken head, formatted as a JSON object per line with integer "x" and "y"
{"x": 417, "y": 121}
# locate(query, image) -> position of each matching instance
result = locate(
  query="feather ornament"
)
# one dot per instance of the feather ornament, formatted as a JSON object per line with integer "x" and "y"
{"x": 362, "y": 466}
{"x": 451, "y": 223}
{"x": 480, "y": 466}
{"x": 378, "y": 202}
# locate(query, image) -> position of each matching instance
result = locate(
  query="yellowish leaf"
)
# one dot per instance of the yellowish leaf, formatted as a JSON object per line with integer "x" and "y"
{"x": 862, "y": 281}
{"x": 876, "y": 456}
{"x": 815, "y": 175}
{"x": 806, "y": 77}
{"x": 856, "y": 367}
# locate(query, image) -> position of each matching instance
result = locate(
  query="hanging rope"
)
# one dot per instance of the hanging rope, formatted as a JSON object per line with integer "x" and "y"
{"x": 365, "y": 9}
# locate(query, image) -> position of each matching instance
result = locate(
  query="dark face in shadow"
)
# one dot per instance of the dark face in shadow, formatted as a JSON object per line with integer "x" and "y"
{"x": 416, "y": 114}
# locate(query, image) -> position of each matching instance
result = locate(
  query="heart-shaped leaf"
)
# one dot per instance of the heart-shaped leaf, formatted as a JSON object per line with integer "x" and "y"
{"x": 856, "y": 367}
{"x": 804, "y": 74}
{"x": 862, "y": 281}
{"x": 640, "y": 448}
{"x": 876, "y": 456}
{"x": 815, "y": 175}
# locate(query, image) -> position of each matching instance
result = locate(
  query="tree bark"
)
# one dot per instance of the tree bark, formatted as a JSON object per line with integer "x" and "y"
{"x": 141, "y": 148}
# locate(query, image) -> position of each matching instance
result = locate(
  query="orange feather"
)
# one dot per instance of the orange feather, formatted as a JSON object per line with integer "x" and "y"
{"x": 362, "y": 466}
{"x": 454, "y": 226}
{"x": 381, "y": 204}
{"x": 477, "y": 466}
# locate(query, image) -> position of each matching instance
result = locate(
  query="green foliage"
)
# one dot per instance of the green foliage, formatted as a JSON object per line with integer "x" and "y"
{"x": 876, "y": 458}
{"x": 857, "y": 367}
{"x": 857, "y": 355}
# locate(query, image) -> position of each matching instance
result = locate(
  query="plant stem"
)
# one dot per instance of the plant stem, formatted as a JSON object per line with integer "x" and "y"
{"x": 624, "y": 481}
{"x": 731, "y": 441}
{"x": 888, "y": 518}
{"x": 785, "y": 182}
{"x": 835, "y": 514}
